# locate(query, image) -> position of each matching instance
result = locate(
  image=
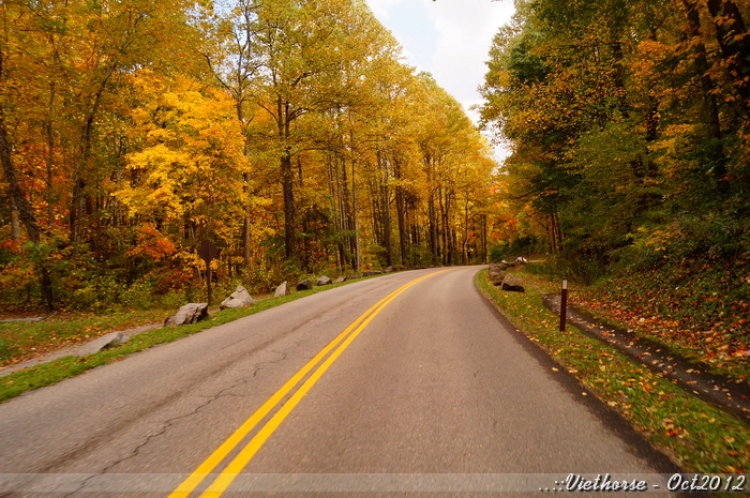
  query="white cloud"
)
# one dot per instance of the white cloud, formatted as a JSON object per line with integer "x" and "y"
{"x": 449, "y": 38}
{"x": 381, "y": 8}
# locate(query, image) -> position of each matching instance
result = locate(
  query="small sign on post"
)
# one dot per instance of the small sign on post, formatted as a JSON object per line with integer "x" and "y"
{"x": 563, "y": 305}
{"x": 207, "y": 251}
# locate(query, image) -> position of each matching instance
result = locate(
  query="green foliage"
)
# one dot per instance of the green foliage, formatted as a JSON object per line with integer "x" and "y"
{"x": 622, "y": 118}
{"x": 691, "y": 280}
{"x": 520, "y": 246}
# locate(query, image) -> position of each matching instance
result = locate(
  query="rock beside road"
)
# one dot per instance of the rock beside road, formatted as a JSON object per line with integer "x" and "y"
{"x": 304, "y": 285}
{"x": 188, "y": 314}
{"x": 324, "y": 280}
{"x": 104, "y": 342}
{"x": 512, "y": 284}
{"x": 342, "y": 278}
{"x": 497, "y": 273}
{"x": 237, "y": 299}
{"x": 282, "y": 290}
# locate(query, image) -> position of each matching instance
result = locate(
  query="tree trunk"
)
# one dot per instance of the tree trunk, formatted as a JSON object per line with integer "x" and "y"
{"x": 82, "y": 158}
{"x": 710, "y": 105}
{"x": 287, "y": 178}
{"x": 49, "y": 157}
{"x": 355, "y": 226}
{"x": 25, "y": 211}
{"x": 400, "y": 213}
{"x": 734, "y": 41}
{"x": 619, "y": 79}
{"x": 343, "y": 207}
{"x": 21, "y": 204}
{"x": 385, "y": 211}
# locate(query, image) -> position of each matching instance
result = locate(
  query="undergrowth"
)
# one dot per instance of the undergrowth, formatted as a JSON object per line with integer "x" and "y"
{"x": 52, "y": 372}
{"x": 696, "y": 435}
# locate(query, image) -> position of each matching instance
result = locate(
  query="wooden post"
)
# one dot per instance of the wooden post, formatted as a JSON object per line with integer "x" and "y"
{"x": 563, "y": 305}
{"x": 208, "y": 276}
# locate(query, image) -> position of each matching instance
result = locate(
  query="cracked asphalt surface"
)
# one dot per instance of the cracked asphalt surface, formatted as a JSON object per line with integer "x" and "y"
{"x": 436, "y": 384}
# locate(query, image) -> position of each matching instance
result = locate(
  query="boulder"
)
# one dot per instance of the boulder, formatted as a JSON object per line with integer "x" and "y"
{"x": 342, "y": 278}
{"x": 512, "y": 284}
{"x": 304, "y": 285}
{"x": 104, "y": 342}
{"x": 324, "y": 280}
{"x": 389, "y": 269}
{"x": 237, "y": 299}
{"x": 31, "y": 319}
{"x": 190, "y": 313}
{"x": 354, "y": 277}
{"x": 372, "y": 273}
{"x": 282, "y": 290}
{"x": 496, "y": 274}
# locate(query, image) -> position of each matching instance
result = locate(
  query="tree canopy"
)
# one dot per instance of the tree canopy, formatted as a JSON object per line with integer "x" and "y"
{"x": 287, "y": 132}
{"x": 628, "y": 123}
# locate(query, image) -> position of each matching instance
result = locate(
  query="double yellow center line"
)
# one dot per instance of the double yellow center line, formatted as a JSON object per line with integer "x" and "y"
{"x": 241, "y": 460}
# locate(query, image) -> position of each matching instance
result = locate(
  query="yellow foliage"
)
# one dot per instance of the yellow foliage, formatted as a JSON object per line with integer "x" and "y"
{"x": 189, "y": 161}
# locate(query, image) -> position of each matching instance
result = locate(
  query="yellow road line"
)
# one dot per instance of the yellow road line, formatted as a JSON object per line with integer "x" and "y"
{"x": 243, "y": 458}
{"x": 189, "y": 484}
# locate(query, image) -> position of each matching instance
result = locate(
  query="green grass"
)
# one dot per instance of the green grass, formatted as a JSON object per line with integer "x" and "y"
{"x": 23, "y": 340}
{"x": 699, "y": 437}
{"x": 52, "y": 372}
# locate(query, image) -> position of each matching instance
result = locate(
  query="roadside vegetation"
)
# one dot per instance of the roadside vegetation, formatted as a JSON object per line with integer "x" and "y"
{"x": 288, "y": 133}
{"x": 696, "y": 435}
{"x": 629, "y": 164}
{"x": 47, "y": 336}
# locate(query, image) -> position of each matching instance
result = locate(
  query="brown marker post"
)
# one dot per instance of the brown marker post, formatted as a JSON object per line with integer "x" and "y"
{"x": 563, "y": 305}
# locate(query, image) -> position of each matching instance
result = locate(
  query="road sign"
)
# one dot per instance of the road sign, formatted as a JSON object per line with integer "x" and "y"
{"x": 207, "y": 251}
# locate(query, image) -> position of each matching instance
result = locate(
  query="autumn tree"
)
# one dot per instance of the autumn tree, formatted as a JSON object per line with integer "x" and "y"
{"x": 621, "y": 116}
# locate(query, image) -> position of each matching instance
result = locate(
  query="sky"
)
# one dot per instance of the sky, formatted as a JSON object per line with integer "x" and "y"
{"x": 448, "y": 38}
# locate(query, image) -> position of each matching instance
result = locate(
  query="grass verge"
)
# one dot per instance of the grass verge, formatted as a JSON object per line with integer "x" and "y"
{"x": 69, "y": 366}
{"x": 20, "y": 341}
{"x": 696, "y": 435}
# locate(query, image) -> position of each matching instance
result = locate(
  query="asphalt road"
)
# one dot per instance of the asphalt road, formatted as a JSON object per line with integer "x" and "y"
{"x": 432, "y": 392}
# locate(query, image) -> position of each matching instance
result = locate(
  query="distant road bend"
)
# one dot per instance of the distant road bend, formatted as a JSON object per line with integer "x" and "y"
{"x": 408, "y": 384}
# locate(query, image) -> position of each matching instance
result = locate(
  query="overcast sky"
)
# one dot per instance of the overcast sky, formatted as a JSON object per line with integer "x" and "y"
{"x": 449, "y": 38}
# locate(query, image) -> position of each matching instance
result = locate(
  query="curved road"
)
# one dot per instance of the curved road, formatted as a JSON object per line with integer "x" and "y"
{"x": 429, "y": 392}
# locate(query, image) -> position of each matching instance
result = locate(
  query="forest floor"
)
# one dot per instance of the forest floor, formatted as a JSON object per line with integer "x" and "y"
{"x": 699, "y": 436}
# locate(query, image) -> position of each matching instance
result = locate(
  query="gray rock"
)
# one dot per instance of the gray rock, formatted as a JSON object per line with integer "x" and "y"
{"x": 30, "y": 319}
{"x": 372, "y": 273}
{"x": 512, "y": 284}
{"x": 237, "y": 299}
{"x": 282, "y": 290}
{"x": 230, "y": 303}
{"x": 304, "y": 285}
{"x": 354, "y": 277}
{"x": 342, "y": 278}
{"x": 389, "y": 269}
{"x": 104, "y": 342}
{"x": 497, "y": 273}
{"x": 324, "y": 280}
{"x": 190, "y": 313}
